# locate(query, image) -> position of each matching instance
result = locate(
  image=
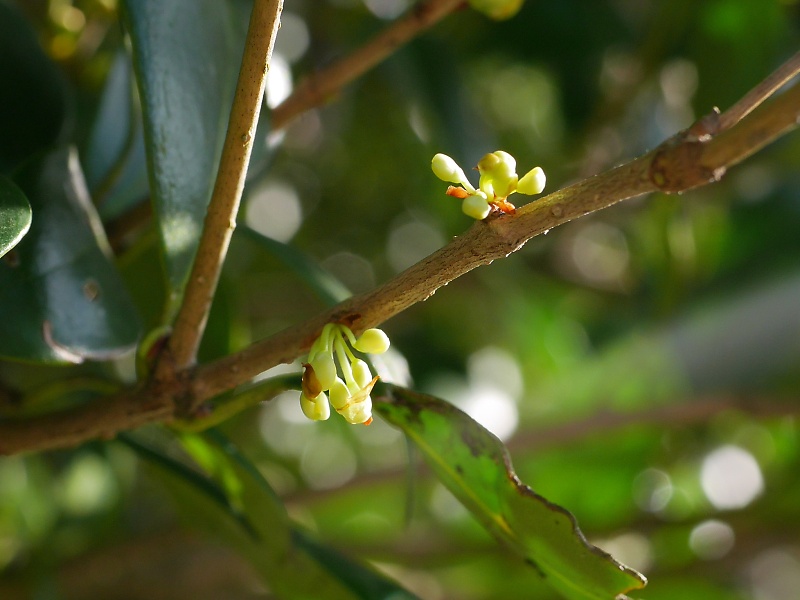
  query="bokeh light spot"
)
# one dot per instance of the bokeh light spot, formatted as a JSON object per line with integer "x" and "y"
{"x": 731, "y": 478}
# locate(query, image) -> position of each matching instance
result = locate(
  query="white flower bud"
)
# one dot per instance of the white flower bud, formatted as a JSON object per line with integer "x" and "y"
{"x": 316, "y": 409}
{"x": 340, "y": 395}
{"x": 324, "y": 369}
{"x": 361, "y": 373}
{"x": 446, "y": 169}
{"x": 476, "y": 207}
{"x": 532, "y": 182}
{"x": 372, "y": 341}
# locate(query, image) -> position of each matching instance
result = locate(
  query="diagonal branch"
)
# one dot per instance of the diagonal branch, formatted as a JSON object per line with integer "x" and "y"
{"x": 677, "y": 165}
{"x": 681, "y": 163}
{"x": 322, "y": 86}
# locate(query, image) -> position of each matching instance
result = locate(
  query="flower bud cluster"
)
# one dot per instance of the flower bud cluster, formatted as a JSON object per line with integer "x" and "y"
{"x": 333, "y": 367}
{"x": 498, "y": 180}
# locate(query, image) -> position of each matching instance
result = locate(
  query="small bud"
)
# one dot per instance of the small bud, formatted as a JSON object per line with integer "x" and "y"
{"x": 488, "y": 163}
{"x": 476, "y": 207}
{"x": 340, "y": 395}
{"x": 373, "y": 341}
{"x": 446, "y": 169}
{"x": 532, "y": 182}
{"x": 316, "y": 409}
{"x": 325, "y": 369}
{"x": 361, "y": 373}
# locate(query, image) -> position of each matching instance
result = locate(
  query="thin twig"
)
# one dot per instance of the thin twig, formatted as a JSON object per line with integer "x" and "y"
{"x": 679, "y": 164}
{"x": 322, "y": 86}
{"x": 224, "y": 205}
{"x": 761, "y": 92}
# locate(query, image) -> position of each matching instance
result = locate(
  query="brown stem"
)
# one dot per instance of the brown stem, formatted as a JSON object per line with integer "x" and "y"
{"x": 761, "y": 92}
{"x": 320, "y": 87}
{"x": 679, "y": 164}
{"x": 224, "y": 205}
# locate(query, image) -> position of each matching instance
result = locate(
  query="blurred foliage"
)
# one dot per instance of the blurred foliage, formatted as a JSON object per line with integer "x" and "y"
{"x": 642, "y": 364}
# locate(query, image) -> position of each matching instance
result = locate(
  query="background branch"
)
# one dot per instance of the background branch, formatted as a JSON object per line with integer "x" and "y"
{"x": 320, "y": 87}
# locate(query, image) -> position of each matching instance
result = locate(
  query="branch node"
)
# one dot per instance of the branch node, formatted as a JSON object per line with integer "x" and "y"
{"x": 677, "y": 165}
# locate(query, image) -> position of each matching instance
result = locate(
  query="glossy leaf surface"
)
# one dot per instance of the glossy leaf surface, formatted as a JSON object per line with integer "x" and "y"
{"x": 114, "y": 159}
{"x": 186, "y": 60}
{"x": 474, "y": 465}
{"x": 61, "y": 297}
{"x": 15, "y": 215}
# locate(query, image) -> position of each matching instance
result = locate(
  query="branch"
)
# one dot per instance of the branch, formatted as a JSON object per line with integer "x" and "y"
{"x": 679, "y": 164}
{"x": 761, "y": 92}
{"x": 686, "y": 161}
{"x": 224, "y": 205}
{"x": 319, "y": 88}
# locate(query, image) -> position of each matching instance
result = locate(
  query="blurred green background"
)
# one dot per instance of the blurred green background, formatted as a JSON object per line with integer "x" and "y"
{"x": 642, "y": 364}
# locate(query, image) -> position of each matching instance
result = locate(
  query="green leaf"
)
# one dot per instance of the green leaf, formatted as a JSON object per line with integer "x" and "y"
{"x": 366, "y": 583}
{"x": 114, "y": 160}
{"x": 235, "y": 502}
{"x": 34, "y": 94}
{"x": 474, "y": 465}
{"x": 316, "y": 571}
{"x": 15, "y": 215}
{"x": 61, "y": 297}
{"x": 186, "y": 59}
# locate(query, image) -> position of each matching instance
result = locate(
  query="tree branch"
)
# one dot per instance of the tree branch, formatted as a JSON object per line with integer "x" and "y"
{"x": 679, "y": 164}
{"x": 686, "y": 161}
{"x": 320, "y": 87}
{"x": 761, "y": 92}
{"x": 224, "y": 205}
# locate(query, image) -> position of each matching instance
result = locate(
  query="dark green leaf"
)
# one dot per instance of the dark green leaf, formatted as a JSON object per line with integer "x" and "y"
{"x": 291, "y": 562}
{"x": 15, "y": 215}
{"x": 114, "y": 160}
{"x": 186, "y": 59}
{"x": 180, "y": 470}
{"x": 326, "y": 286}
{"x": 61, "y": 297}
{"x": 33, "y": 95}
{"x": 364, "y": 582}
{"x": 474, "y": 465}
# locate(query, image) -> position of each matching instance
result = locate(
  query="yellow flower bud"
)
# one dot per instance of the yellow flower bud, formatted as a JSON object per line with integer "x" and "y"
{"x": 372, "y": 341}
{"x": 532, "y": 182}
{"x": 476, "y": 207}
{"x": 316, "y": 409}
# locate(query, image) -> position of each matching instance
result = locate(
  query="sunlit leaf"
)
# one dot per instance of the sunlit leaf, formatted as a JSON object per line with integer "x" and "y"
{"x": 61, "y": 297}
{"x": 186, "y": 59}
{"x": 15, "y": 215}
{"x": 474, "y": 465}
